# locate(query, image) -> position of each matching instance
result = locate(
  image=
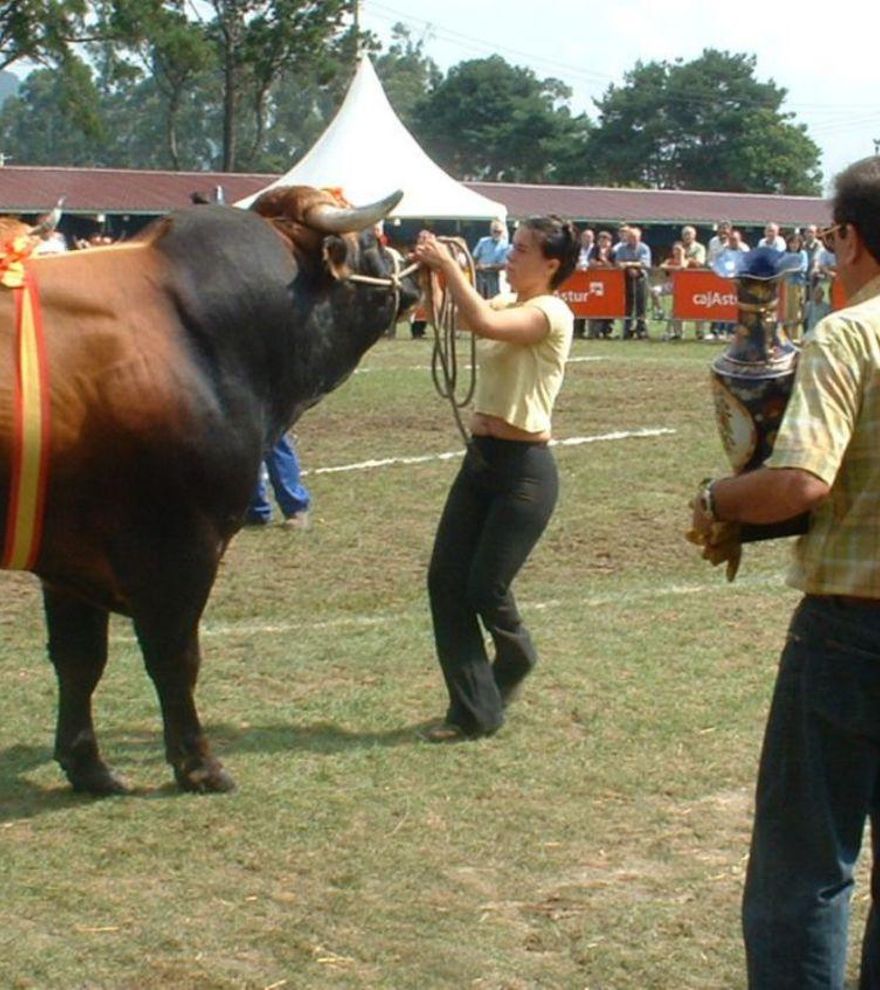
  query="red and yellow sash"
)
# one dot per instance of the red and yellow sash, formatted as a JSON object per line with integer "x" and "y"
{"x": 30, "y": 429}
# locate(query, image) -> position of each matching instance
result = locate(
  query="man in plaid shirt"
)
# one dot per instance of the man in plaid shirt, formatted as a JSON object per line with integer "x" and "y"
{"x": 819, "y": 777}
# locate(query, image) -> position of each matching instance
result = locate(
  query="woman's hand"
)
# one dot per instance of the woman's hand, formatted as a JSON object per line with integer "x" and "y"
{"x": 431, "y": 252}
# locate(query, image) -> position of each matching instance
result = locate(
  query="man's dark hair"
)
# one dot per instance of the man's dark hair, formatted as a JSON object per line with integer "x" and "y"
{"x": 857, "y": 201}
{"x": 559, "y": 239}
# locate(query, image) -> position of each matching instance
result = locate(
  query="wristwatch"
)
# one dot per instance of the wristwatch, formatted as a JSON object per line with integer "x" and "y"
{"x": 706, "y": 499}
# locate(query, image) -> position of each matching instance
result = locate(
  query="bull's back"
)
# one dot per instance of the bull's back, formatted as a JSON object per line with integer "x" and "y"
{"x": 124, "y": 392}
{"x": 116, "y": 352}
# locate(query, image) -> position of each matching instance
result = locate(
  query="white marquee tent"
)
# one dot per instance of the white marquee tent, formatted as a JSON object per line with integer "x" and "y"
{"x": 368, "y": 153}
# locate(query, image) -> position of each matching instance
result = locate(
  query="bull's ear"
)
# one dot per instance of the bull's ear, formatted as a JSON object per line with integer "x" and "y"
{"x": 336, "y": 257}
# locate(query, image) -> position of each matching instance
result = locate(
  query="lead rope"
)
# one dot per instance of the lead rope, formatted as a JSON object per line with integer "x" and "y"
{"x": 444, "y": 317}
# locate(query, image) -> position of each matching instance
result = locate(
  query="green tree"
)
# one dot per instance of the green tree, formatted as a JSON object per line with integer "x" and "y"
{"x": 406, "y": 72}
{"x": 136, "y": 125}
{"x": 39, "y": 30}
{"x": 491, "y": 120}
{"x": 302, "y": 104}
{"x": 258, "y": 41}
{"x": 705, "y": 124}
{"x": 154, "y": 54}
{"x": 143, "y": 86}
{"x": 170, "y": 88}
{"x": 54, "y": 119}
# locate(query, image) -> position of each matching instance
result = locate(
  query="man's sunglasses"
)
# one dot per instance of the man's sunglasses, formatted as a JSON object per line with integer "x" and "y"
{"x": 828, "y": 235}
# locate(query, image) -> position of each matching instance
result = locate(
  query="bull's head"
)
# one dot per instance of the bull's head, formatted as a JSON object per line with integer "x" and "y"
{"x": 317, "y": 226}
{"x": 306, "y": 215}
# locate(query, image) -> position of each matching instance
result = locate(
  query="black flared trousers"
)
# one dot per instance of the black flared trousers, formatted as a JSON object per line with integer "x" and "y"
{"x": 497, "y": 509}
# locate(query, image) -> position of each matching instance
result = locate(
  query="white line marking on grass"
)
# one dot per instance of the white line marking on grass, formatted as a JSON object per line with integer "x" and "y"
{"x": 641, "y": 595}
{"x": 386, "y": 462}
{"x": 467, "y": 367}
{"x": 661, "y": 431}
{"x": 616, "y": 598}
{"x": 450, "y": 454}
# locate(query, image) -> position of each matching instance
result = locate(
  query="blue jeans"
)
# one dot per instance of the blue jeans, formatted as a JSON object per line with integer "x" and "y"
{"x": 818, "y": 782}
{"x": 283, "y": 469}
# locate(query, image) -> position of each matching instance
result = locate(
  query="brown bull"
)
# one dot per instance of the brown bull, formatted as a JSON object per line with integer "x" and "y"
{"x": 173, "y": 364}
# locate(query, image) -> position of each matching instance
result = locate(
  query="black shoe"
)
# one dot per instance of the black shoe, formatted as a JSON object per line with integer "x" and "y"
{"x": 451, "y": 732}
{"x": 444, "y": 732}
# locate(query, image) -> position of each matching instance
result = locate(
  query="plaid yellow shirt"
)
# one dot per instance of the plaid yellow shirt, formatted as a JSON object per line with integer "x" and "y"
{"x": 831, "y": 428}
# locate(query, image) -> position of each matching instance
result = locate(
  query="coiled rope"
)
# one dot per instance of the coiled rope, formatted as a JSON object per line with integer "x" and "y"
{"x": 443, "y": 312}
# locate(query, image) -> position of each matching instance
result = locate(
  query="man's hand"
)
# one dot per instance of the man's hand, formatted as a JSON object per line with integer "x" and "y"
{"x": 719, "y": 540}
{"x": 720, "y": 545}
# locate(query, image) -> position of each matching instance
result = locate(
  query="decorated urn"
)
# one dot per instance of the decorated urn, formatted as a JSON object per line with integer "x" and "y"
{"x": 752, "y": 379}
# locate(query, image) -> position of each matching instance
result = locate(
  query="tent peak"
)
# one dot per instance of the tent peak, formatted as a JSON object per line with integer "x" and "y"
{"x": 366, "y": 150}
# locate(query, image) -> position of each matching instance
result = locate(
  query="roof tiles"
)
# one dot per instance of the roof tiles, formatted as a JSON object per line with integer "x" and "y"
{"x": 89, "y": 190}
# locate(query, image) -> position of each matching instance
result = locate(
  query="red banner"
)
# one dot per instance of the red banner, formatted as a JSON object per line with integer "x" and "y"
{"x": 595, "y": 294}
{"x": 699, "y": 294}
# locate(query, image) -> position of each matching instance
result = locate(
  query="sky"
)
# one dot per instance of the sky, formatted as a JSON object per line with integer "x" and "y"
{"x": 822, "y": 56}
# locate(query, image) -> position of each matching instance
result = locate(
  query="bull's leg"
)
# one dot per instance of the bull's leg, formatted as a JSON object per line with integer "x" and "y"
{"x": 174, "y": 669}
{"x": 170, "y": 644}
{"x": 78, "y": 651}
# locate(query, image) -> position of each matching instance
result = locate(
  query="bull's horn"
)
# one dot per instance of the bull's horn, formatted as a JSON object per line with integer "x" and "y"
{"x": 49, "y": 222}
{"x": 331, "y": 219}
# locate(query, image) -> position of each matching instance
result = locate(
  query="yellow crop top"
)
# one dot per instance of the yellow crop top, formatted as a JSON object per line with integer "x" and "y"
{"x": 519, "y": 382}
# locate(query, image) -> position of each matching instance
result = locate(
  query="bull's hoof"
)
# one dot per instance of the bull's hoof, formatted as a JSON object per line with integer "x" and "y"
{"x": 205, "y": 778}
{"x": 98, "y": 780}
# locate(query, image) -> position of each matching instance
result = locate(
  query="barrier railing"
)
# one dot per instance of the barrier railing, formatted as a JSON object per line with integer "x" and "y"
{"x": 697, "y": 294}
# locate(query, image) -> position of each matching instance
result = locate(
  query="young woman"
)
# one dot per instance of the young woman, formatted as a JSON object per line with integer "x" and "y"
{"x": 505, "y": 492}
{"x": 676, "y": 262}
{"x": 794, "y": 291}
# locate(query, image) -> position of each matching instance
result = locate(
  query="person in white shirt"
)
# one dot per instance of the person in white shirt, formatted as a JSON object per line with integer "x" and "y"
{"x": 719, "y": 242}
{"x": 52, "y": 242}
{"x": 772, "y": 238}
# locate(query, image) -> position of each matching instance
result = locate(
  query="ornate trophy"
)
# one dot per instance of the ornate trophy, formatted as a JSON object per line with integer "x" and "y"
{"x": 752, "y": 379}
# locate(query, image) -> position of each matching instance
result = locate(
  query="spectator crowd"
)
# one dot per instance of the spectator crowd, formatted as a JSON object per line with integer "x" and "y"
{"x": 806, "y": 293}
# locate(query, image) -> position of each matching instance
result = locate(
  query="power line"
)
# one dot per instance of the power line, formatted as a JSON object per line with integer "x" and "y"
{"x": 475, "y": 45}
{"x": 479, "y": 45}
{"x": 844, "y": 124}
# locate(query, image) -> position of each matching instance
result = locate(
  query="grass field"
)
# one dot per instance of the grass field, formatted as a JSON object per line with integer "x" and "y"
{"x": 598, "y": 842}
